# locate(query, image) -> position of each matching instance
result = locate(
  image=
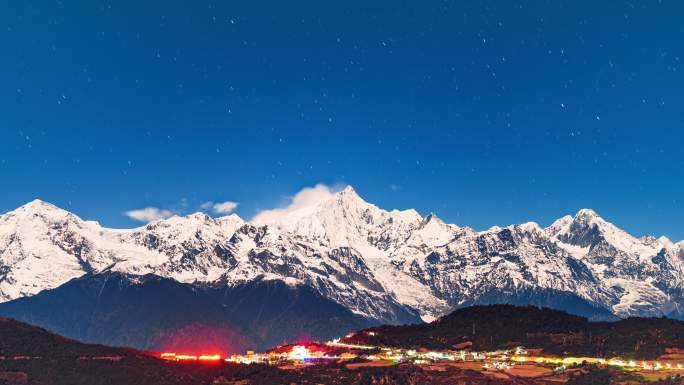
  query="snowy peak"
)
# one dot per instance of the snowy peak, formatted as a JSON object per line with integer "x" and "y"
{"x": 198, "y": 219}
{"x": 588, "y": 218}
{"x": 346, "y": 203}
{"x": 38, "y": 209}
{"x": 344, "y": 219}
{"x": 431, "y": 220}
{"x": 585, "y": 229}
{"x": 529, "y": 232}
{"x": 425, "y": 234}
{"x": 638, "y": 268}
{"x": 38, "y": 204}
{"x": 665, "y": 242}
{"x": 349, "y": 193}
{"x": 587, "y": 214}
{"x": 42, "y": 246}
{"x": 528, "y": 227}
{"x": 560, "y": 225}
{"x": 36, "y": 221}
{"x": 588, "y": 229}
{"x": 231, "y": 221}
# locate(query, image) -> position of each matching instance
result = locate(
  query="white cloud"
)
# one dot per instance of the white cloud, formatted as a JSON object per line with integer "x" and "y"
{"x": 307, "y": 197}
{"x": 149, "y": 214}
{"x": 224, "y": 208}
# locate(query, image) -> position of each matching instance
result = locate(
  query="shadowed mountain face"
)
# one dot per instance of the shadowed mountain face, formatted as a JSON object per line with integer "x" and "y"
{"x": 154, "y": 313}
{"x": 544, "y": 298}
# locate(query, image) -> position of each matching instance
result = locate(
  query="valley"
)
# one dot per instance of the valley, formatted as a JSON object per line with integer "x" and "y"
{"x": 29, "y": 355}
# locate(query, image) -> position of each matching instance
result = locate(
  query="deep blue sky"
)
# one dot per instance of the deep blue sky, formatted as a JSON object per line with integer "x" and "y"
{"x": 485, "y": 112}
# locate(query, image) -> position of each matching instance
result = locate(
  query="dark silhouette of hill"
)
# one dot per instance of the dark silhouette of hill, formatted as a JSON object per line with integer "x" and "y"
{"x": 31, "y": 355}
{"x": 491, "y": 327}
{"x": 35, "y": 356}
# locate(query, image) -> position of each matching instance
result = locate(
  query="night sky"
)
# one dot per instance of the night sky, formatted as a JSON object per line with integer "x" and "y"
{"x": 485, "y": 112}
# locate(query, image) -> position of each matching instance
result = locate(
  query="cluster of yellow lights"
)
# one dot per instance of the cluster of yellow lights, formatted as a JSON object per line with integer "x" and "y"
{"x": 498, "y": 365}
{"x": 612, "y": 362}
{"x": 298, "y": 353}
{"x": 336, "y": 342}
{"x": 302, "y": 353}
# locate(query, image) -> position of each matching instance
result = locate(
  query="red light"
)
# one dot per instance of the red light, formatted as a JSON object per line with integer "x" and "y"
{"x": 190, "y": 357}
{"x": 210, "y": 357}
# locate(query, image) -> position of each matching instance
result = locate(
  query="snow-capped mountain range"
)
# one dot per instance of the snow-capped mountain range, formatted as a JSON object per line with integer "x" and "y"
{"x": 379, "y": 264}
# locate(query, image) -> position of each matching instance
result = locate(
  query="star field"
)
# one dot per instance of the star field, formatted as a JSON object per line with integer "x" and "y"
{"x": 487, "y": 113}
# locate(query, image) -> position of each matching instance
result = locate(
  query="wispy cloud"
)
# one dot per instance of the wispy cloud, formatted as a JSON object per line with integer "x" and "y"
{"x": 224, "y": 208}
{"x": 149, "y": 214}
{"x": 305, "y": 198}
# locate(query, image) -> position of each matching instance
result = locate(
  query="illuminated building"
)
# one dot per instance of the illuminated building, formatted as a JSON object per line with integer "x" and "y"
{"x": 300, "y": 353}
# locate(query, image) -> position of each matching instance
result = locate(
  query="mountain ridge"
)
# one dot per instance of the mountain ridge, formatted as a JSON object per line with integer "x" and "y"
{"x": 377, "y": 263}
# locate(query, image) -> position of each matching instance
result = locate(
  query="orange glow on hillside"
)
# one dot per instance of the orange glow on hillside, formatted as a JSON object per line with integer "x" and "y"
{"x": 186, "y": 357}
{"x": 209, "y": 357}
{"x": 190, "y": 357}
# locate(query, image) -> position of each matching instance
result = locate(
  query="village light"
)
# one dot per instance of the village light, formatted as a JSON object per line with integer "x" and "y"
{"x": 299, "y": 352}
{"x": 186, "y": 357}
